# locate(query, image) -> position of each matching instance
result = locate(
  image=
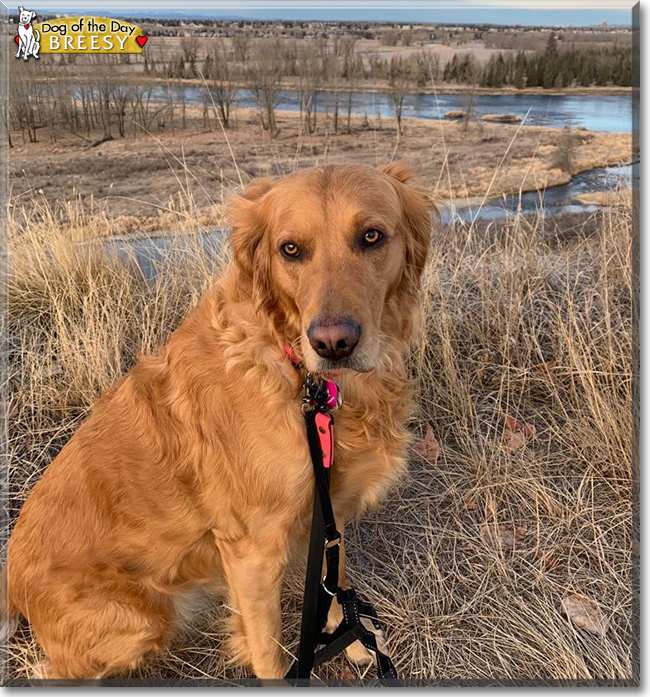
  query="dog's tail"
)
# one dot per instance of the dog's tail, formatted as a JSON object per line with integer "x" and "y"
{"x": 9, "y": 614}
{"x": 38, "y": 38}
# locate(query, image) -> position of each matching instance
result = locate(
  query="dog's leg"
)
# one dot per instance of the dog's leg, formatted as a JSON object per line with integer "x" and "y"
{"x": 356, "y": 652}
{"x": 20, "y": 45}
{"x": 101, "y": 633}
{"x": 254, "y": 572}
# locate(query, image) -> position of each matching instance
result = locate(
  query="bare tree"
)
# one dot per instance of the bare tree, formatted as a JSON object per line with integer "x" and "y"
{"x": 144, "y": 108}
{"x": 103, "y": 85}
{"x": 87, "y": 107}
{"x": 333, "y": 74}
{"x": 346, "y": 47}
{"x": 6, "y": 125}
{"x": 390, "y": 37}
{"x": 473, "y": 74}
{"x": 353, "y": 72}
{"x": 264, "y": 73}
{"x": 170, "y": 108}
{"x": 221, "y": 84}
{"x": 565, "y": 150}
{"x": 241, "y": 44}
{"x": 310, "y": 77}
{"x": 469, "y": 114}
{"x": 400, "y": 77}
{"x": 190, "y": 48}
{"x": 119, "y": 97}
{"x": 427, "y": 66}
{"x": 22, "y": 112}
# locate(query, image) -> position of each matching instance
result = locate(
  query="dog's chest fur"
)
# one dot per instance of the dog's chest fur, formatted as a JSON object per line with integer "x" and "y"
{"x": 370, "y": 446}
{"x": 251, "y": 420}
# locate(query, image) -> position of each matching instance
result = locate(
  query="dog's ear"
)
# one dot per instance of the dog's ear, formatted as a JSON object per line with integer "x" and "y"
{"x": 248, "y": 227}
{"x": 417, "y": 208}
{"x": 400, "y": 171}
{"x": 33, "y": 14}
{"x": 20, "y": 9}
{"x": 248, "y": 224}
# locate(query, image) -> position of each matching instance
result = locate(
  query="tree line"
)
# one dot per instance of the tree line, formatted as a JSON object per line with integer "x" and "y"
{"x": 552, "y": 68}
{"x": 123, "y": 107}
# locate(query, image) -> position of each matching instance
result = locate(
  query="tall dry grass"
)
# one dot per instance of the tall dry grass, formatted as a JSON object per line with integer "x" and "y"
{"x": 515, "y": 320}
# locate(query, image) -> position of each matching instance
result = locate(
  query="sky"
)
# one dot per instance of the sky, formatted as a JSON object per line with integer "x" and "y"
{"x": 527, "y": 12}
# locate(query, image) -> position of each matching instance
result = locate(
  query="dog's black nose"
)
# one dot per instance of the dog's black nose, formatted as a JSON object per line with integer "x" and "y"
{"x": 334, "y": 337}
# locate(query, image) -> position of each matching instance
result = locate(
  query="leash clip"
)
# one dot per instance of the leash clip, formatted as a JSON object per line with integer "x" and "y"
{"x": 321, "y": 395}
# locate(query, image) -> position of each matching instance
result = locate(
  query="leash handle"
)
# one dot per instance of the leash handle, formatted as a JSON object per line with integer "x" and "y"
{"x": 325, "y": 540}
{"x": 309, "y": 630}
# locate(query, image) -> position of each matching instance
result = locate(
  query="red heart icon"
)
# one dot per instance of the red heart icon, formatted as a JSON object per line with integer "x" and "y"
{"x": 142, "y": 40}
{"x": 17, "y": 39}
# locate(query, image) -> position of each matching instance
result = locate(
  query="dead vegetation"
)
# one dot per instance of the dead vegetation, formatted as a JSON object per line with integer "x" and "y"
{"x": 146, "y": 184}
{"x": 519, "y": 495}
{"x": 620, "y": 197}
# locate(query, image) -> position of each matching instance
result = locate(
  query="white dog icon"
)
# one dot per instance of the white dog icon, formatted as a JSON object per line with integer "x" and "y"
{"x": 29, "y": 38}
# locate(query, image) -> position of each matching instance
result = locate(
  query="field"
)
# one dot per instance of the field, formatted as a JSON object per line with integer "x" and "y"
{"x": 148, "y": 182}
{"x": 519, "y": 498}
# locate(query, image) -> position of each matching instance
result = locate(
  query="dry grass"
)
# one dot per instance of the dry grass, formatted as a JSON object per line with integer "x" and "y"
{"x": 501, "y": 118}
{"x": 515, "y": 321}
{"x": 146, "y": 184}
{"x": 620, "y": 197}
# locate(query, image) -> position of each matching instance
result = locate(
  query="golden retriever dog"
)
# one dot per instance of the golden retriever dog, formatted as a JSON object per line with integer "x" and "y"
{"x": 194, "y": 470}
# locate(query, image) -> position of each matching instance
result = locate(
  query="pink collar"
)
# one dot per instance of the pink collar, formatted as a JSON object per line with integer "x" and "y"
{"x": 291, "y": 355}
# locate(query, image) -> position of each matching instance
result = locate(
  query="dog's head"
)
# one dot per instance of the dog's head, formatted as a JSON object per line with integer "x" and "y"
{"x": 326, "y": 248}
{"x": 26, "y": 16}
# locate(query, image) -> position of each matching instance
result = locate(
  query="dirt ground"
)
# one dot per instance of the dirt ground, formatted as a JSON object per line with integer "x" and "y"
{"x": 156, "y": 180}
{"x": 444, "y": 52}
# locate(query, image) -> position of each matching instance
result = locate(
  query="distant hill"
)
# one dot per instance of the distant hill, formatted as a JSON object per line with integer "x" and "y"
{"x": 457, "y": 16}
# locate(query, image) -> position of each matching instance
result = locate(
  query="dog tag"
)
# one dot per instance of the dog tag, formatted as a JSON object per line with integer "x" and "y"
{"x": 335, "y": 398}
{"x": 326, "y": 437}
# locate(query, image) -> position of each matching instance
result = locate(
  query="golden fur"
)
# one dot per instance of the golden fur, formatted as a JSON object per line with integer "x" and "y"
{"x": 194, "y": 470}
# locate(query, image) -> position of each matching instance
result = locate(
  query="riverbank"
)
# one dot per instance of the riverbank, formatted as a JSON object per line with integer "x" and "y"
{"x": 439, "y": 87}
{"x": 156, "y": 181}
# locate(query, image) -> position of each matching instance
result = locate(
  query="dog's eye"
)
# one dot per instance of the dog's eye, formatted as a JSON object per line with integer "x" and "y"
{"x": 372, "y": 237}
{"x": 290, "y": 250}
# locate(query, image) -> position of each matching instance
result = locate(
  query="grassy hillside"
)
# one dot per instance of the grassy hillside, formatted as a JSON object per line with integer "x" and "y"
{"x": 523, "y": 371}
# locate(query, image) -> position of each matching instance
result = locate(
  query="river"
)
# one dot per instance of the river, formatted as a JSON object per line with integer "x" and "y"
{"x": 554, "y": 200}
{"x": 604, "y": 113}
{"x": 152, "y": 250}
{"x": 611, "y": 113}
{"x": 608, "y": 113}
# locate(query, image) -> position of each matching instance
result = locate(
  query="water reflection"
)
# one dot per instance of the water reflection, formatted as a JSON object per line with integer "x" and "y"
{"x": 611, "y": 113}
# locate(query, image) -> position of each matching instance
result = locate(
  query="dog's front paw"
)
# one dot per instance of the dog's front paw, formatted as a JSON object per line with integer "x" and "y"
{"x": 236, "y": 646}
{"x": 359, "y": 654}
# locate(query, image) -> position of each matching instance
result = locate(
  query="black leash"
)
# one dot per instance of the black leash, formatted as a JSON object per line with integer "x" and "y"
{"x": 325, "y": 541}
